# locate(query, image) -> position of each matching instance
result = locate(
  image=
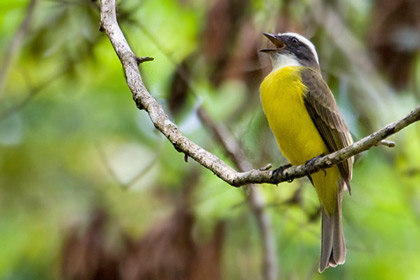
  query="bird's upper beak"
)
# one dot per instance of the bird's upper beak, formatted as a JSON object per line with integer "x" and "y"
{"x": 277, "y": 41}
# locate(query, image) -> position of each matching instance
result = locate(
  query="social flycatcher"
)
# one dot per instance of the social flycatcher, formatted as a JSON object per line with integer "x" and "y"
{"x": 304, "y": 117}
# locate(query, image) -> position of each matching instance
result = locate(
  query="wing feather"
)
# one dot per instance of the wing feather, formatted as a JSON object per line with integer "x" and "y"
{"x": 323, "y": 110}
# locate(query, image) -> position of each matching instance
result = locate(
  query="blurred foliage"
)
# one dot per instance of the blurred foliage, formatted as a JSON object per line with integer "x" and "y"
{"x": 73, "y": 144}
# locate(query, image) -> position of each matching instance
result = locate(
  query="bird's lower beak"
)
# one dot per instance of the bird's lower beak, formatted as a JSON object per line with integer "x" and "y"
{"x": 276, "y": 41}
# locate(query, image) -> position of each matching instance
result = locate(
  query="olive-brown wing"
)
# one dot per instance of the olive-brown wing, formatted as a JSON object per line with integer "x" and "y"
{"x": 323, "y": 110}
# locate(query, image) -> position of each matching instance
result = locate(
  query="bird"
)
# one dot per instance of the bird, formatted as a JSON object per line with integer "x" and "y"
{"x": 303, "y": 115}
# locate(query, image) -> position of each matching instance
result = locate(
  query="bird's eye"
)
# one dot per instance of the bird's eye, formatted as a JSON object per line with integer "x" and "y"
{"x": 295, "y": 41}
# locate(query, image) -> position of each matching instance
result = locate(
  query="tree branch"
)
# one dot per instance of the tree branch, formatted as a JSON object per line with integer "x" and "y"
{"x": 145, "y": 101}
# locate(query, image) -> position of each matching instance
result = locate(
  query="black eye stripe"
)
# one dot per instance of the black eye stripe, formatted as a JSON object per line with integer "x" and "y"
{"x": 300, "y": 47}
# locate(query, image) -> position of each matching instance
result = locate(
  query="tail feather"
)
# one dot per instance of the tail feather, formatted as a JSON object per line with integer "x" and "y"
{"x": 333, "y": 248}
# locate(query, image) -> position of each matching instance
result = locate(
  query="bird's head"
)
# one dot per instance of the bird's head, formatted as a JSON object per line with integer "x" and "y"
{"x": 291, "y": 49}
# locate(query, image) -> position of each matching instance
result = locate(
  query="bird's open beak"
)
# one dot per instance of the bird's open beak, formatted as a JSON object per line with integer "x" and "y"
{"x": 276, "y": 41}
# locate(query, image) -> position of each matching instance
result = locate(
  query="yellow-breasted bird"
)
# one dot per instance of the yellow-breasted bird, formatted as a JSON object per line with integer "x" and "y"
{"x": 304, "y": 117}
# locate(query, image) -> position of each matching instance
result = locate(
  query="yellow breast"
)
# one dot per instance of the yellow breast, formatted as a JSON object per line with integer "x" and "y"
{"x": 282, "y": 95}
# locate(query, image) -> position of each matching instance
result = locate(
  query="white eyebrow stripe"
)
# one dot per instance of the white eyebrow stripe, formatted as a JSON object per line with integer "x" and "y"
{"x": 305, "y": 41}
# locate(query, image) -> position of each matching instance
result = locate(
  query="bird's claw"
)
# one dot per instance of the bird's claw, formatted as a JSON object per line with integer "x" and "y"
{"x": 310, "y": 163}
{"x": 279, "y": 171}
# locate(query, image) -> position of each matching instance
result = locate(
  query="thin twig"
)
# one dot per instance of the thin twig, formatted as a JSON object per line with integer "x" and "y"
{"x": 145, "y": 101}
{"x": 386, "y": 143}
{"x": 142, "y": 59}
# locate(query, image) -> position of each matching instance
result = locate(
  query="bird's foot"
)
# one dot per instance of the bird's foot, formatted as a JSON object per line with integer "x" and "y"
{"x": 279, "y": 171}
{"x": 310, "y": 163}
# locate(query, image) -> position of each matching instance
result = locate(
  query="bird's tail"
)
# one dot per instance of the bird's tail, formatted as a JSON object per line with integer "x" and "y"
{"x": 333, "y": 248}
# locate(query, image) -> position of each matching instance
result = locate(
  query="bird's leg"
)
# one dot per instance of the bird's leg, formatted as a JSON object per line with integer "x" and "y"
{"x": 279, "y": 171}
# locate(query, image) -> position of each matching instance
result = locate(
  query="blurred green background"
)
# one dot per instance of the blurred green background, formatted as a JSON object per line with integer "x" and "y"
{"x": 90, "y": 190}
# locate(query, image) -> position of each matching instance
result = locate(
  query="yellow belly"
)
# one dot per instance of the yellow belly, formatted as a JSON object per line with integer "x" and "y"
{"x": 282, "y": 101}
{"x": 282, "y": 95}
